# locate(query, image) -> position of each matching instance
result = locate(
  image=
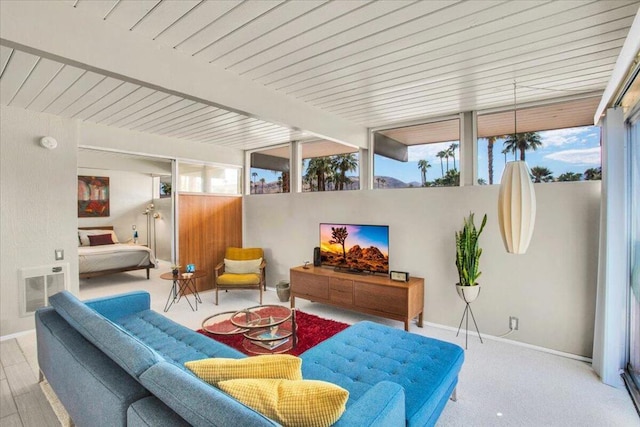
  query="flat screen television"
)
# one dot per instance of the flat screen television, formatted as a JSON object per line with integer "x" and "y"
{"x": 355, "y": 247}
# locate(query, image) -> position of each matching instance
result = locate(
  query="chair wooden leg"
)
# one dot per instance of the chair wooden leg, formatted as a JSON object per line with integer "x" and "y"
{"x": 260, "y": 287}
{"x": 216, "y": 295}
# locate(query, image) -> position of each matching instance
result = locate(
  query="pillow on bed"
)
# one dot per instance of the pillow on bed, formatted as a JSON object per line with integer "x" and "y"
{"x": 100, "y": 239}
{"x": 84, "y": 236}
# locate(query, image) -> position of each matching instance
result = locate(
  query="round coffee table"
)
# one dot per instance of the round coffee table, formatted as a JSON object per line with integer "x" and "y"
{"x": 267, "y": 329}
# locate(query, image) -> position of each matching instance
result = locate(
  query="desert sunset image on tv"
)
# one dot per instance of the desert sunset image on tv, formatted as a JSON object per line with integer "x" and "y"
{"x": 355, "y": 247}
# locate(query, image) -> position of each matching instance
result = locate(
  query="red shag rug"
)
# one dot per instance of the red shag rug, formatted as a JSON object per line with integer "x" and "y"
{"x": 311, "y": 331}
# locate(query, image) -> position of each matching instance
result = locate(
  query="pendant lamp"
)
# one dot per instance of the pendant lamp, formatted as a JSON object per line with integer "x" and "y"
{"x": 516, "y": 201}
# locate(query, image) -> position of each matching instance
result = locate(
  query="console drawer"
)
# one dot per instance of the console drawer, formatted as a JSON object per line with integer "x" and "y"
{"x": 386, "y": 299}
{"x": 341, "y": 290}
{"x": 309, "y": 285}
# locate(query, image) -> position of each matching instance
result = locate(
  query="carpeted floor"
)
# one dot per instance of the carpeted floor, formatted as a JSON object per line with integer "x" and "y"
{"x": 501, "y": 384}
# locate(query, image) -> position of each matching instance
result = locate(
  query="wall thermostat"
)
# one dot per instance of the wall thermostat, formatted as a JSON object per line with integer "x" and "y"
{"x": 48, "y": 142}
{"x": 399, "y": 276}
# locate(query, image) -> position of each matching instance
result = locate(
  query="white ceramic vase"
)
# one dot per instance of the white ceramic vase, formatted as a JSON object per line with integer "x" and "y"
{"x": 468, "y": 293}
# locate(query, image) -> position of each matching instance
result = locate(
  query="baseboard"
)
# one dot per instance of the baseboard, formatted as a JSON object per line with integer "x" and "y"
{"x": 518, "y": 343}
{"x": 16, "y": 335}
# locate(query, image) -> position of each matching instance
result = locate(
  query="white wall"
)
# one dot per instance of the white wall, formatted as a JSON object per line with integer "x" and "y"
{"x": 38, "y": 199}
{"x": 551, "y": 289}
{"x": 38, "y": 191}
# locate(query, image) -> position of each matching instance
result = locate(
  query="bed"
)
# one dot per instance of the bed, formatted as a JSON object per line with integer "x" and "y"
{"x": 100, "y": 253}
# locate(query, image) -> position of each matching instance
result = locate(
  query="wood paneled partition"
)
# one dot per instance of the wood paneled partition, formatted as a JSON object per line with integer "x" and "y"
{"x": 207, "y": 226}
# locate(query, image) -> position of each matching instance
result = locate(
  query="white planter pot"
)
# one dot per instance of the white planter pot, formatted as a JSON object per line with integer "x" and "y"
{"x": 468, "y": 293}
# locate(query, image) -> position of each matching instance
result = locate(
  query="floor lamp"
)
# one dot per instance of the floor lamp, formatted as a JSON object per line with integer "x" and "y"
{"x": 156, "y": 216}
{"x": 151, "y": 225}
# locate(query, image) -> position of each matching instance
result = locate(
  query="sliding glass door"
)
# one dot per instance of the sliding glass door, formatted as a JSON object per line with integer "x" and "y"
{"x": 633, "y": 371}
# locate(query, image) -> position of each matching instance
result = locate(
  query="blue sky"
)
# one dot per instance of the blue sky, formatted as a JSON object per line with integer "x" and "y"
{"x": 562, "y": 150}
{"x": 363, "y": 235}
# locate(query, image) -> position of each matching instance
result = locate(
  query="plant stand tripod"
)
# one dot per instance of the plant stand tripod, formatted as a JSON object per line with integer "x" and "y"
{"x": 465, "y": 314}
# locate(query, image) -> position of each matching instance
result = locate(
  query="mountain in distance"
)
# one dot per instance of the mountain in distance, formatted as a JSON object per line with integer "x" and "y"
{"x": 389, "y": 182}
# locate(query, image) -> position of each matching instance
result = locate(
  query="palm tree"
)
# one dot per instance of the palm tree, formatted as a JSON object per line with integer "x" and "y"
{"x": 452, "y": 152}
{"x": 254, "y": 175}
{"x": 593, "y": 174}
{"x": 309, "y": 180}
{"x": 523, "y": 142}
{"x": 280, "y": 184}
{"x": 490, "y": 141}
{"x": 570, "y": 176}
{"x": 423, "y": 165}
{"x": 383, "y": 181}
{"x": 285, "y": 182}
{"x": 319, "y": 167}
{"x": 344, "y": 163}
{"x": 451, "y": 178}
{"x": 441, "y": 155}
{"x": 262, "y": 181}
{"x": 505, "y": 151}
{"x": 541, "y": 174}
{"x": 378, "y": 181}
{"x": 332, "y": 179}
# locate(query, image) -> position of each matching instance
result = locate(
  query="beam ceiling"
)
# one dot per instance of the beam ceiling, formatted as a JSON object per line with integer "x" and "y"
{"x": 252, "y": 74}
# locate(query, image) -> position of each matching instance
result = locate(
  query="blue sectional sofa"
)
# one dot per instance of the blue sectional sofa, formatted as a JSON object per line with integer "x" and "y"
{"x": 113, "y": 361}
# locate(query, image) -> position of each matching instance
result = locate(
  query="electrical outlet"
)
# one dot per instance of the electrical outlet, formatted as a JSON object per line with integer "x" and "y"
{"x": 59, "y": 254}
{"x": 513, "y": 323}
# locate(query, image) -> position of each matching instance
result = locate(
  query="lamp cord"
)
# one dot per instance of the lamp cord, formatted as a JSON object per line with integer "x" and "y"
{"x": 507, "y": 334}
{"x": 515, "y": 111}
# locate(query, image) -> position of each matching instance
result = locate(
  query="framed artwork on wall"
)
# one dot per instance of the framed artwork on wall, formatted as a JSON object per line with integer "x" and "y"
{"x": 165, "y": 186}
{"x": 93, "y": 196}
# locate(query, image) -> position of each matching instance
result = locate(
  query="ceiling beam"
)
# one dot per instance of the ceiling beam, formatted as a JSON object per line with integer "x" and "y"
{"x": 54, "y": 30}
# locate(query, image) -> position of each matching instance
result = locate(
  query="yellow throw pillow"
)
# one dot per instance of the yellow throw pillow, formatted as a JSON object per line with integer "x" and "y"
{"x": 305, "y": 403}
{"x": 282, "y": 366}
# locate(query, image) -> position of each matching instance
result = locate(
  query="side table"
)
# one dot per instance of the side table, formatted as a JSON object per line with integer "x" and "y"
{"x": 181, "y": 283}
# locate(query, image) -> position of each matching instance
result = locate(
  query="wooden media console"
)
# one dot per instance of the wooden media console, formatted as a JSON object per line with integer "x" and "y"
{"x": 370, "y": 294}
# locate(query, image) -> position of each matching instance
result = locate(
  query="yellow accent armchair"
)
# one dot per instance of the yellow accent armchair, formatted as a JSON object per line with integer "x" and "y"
{"x": 244, "y": 268}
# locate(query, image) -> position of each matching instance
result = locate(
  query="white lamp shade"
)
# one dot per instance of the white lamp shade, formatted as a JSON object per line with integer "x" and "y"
{"x": 516, "y": 207}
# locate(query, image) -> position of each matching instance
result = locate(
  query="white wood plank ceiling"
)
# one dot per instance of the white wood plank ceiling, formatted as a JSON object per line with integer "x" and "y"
{"x": 373, "y": 63}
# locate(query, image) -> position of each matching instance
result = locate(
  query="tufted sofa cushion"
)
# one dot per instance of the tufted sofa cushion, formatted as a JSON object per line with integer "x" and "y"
{"x": 366, "y": 353}
{"x": 174, "y": 342}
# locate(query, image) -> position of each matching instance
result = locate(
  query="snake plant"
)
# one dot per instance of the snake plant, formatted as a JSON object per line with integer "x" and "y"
{"x": 468, "y": 252}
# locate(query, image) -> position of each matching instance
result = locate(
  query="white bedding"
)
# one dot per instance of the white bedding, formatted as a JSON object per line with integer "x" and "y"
{"x": 110, "y": 257}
